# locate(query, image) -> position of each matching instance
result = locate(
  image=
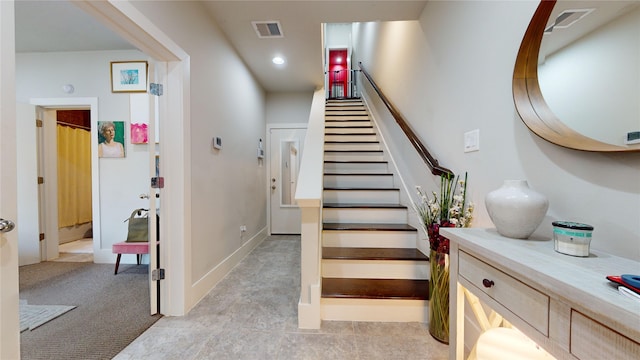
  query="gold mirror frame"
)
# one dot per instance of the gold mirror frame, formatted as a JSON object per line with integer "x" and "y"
{"x": 528, "y": 99}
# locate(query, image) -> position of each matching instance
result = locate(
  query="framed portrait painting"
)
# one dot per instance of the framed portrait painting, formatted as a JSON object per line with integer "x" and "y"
{"x": 129, "y": 76}
{"x": 111, "y": 139}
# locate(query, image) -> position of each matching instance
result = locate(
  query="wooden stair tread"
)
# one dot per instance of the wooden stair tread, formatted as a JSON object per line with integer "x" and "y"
{"x": 375, "y": 288}
{"x": 342, "y": 108}
{"x": 356, "y": 161}
{"x": 347, "y": 120}
{"x": 353, "y": 151}
{"x": 347, "y": 127}
{"x": 348, "y": 253}
{"x": 368, "y": 227}
{"x": 349, "y": 134}
{"x": 358, "y": 174}
{"x": 362, "y": 206}
{"x": 360, "y": 189}
{"x": 352, "y": 142}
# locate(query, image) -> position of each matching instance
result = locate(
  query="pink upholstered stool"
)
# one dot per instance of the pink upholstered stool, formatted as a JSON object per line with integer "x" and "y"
{"x": 124, "y": 247}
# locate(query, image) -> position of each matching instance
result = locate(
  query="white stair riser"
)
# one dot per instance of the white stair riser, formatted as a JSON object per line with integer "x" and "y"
{"x": 340, "y": 103}
{"x": 365, "y": 215}
{"x": 351, "y": 130}
{"x": 340, "y": 117}
{"x": 345, "y": 109}
{"x": 387, "y": 310}
{"x": 351, "y": 146}
{"x": 355, "y": 156}
{"x": 356, "y": 167}
{"x": 375, "y": 269}
{"x": 343, "y": 112}
{"x": 341, "y": 125}
{"x": 362, "y": 196}
{"x": 377, "y": 239}
{"x": 347, "y": 138}
{"x": 361, "y": 181}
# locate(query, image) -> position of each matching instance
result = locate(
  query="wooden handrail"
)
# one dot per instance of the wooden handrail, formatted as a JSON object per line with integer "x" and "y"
{"x": 431, "y": 162}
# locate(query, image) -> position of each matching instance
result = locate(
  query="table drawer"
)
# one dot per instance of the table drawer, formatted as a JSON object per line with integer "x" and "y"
{"x": 524, "y": 301}
{"x": 592, "y": 340}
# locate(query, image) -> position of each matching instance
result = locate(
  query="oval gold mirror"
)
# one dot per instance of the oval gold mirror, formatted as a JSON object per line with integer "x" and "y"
{"x": 534, "y": 109}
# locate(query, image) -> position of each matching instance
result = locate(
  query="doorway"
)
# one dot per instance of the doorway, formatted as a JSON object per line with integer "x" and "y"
{"x": 338, "y": 74}
{"x": 40, "y": 225}
{"x": 75, "y": 234}
{"x": 46, "y": 110}
{"x": 286, "y": 147}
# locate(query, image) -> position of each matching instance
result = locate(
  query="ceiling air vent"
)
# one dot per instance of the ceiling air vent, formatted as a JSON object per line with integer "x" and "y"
{"x": 568, "y": 18}
{"x": 268, "y": 29}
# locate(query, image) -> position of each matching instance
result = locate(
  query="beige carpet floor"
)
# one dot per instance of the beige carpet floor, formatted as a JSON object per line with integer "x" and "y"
{"x": 111, "y": 310}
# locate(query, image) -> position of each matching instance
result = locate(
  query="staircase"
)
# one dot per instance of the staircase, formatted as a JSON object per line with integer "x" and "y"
{"x": 371, "y": 269}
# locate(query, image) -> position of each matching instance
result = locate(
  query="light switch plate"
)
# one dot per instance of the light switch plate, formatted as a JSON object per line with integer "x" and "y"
{"x": 472, "y": 140}
{"x": 217, "y": 142}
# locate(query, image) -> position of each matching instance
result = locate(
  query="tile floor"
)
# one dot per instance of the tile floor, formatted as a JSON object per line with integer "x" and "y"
{"x": 252, "y": 314}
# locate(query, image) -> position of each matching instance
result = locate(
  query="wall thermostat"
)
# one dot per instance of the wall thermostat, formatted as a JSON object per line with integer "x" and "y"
{"x": 217, "y": 142}
{"x": 633, "y": 137}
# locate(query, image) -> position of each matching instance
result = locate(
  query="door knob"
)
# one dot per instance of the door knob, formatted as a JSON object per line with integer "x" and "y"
{"x": 273, "y": 187}
{"x": 6, "y": 225}
{"x": 143, "y": 196}
{"x": 273, "y": 180}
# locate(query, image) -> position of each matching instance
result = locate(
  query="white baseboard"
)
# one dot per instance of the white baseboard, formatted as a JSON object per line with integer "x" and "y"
{"x": 202, "y": 287}
{"x": 105, "y": 256}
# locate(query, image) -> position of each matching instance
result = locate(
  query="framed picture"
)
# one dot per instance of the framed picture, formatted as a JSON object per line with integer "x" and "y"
{"x": 128, "y": 76}
{"x": 111, "y": 139}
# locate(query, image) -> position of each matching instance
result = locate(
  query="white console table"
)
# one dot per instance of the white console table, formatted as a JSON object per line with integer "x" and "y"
{"x": 563, "y": 303}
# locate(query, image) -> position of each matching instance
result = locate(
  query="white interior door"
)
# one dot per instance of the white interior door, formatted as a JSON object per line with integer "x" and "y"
{"x": 144, "y": 109}
{"x": 9, "y": 322}
{"x": 157, "y": 74}
{"x": 286, "y": 146}
{"x": 27, "y": 175}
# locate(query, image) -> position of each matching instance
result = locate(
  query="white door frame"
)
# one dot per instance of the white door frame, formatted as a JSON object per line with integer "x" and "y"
{"x": 9, "y": 319}
{"x": 51, "y": 173}
{"x": 175, "y": 245}
{"x": 268, "y": 160}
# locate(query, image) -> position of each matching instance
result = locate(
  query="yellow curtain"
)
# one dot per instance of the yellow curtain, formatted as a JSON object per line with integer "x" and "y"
{"x": 74, "y": 176}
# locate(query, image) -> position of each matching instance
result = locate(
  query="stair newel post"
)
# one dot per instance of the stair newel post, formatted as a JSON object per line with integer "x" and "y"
{"x": 309, "y": 199}
{"x": 309, "y": 304}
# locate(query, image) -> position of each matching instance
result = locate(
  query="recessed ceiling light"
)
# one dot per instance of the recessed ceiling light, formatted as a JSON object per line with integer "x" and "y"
{"x": 278, "y": 60}
{"x": 338, "y": 59}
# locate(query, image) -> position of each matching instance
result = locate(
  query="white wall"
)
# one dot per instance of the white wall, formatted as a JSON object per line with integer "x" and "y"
{"x": 42, "y": 75}
{"x": 451, "y": 72}
{"x": 228, "y": 185}
{"x": 288, "y": 108}
{"x": 593, "y": 84}
{"x": 337, "y": 35}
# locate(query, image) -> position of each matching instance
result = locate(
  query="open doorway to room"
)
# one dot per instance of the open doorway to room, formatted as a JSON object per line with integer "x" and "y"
{"x": 75, "y": 230}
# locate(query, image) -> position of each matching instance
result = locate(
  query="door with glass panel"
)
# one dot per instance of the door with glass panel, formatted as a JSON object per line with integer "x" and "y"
{"x": 286, "y": 146}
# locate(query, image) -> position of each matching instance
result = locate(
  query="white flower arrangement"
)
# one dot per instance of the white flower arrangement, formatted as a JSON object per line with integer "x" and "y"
{"x": 450, "y": 209}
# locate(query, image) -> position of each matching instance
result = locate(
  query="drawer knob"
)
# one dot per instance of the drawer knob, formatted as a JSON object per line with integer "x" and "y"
{"x": 487, "y": 283}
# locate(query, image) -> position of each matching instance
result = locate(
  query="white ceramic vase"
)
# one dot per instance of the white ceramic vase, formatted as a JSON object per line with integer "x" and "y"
{"x": 515, "y": 209}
